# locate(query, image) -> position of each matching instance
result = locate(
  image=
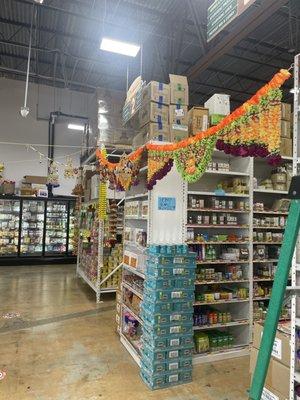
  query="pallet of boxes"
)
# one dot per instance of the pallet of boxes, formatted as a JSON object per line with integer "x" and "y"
{"x": 286, "y": 145}
{"x": 277, "y": 383}
{"x": 164, "y": 113}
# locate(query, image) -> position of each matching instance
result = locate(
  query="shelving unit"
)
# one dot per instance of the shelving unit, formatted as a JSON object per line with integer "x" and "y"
{"x": 96, "y": 241}
{"x": 224, "y": 205}
{"x": 145, "y": 224}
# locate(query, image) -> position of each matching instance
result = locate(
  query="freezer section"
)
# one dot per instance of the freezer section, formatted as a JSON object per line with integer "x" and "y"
{"x": 9, "y": 227}
{"x": 32, "y": 227}
{"x": 56, "y": 228}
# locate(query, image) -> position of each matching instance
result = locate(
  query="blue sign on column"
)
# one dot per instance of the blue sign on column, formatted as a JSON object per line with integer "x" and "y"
{"x": 167, "y": 203}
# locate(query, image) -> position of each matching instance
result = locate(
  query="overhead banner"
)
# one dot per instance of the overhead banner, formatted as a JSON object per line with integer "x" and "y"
{"x": 222, "y": 12}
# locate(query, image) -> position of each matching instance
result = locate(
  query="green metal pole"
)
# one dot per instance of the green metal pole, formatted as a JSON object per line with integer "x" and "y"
{"x": 277, "y": 296}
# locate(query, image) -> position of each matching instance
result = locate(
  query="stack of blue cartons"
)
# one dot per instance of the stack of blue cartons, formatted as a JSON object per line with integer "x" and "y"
{"x": 167, "y": 314}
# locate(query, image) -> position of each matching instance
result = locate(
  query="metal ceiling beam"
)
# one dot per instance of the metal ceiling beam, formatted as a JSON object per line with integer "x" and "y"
{"x": 243, "y": 28}
{"x": 72, "y": 84}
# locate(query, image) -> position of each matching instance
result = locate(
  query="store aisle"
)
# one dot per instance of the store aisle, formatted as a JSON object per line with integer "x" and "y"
{"x": 63, "y": 346}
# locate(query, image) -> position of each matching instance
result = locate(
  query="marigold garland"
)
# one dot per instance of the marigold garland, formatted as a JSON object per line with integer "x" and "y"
{"x": 253, "y": 129}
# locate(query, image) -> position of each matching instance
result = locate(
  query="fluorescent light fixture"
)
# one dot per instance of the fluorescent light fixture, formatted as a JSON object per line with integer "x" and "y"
{"x": 76, "y": 127}
{"x": 39, "y": 1}
{"x": 116, "y": 46}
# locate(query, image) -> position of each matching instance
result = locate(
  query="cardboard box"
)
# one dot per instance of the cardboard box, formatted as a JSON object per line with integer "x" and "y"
{"x": 286, "y": 110}
{"x": 41, "y": 180}
{"x": 179, "y": 90}
{"x": 178, "y": 115}
{"x": 152, "y": 131}
{"x": 278, "y": 376}
{"x": 156, "y": 91}
{"x": 198, "y": 120}
{"x": 154, "y": 112}
{"x": 286, "y": 131}
{"x": 270, "y": 393}
{"x": 281, "y": 348}
{"x": 215, "y": 119}
{"x": 286, "y": 147}
{"x": 178, "y": 132}
{"x": 218, "y": 104}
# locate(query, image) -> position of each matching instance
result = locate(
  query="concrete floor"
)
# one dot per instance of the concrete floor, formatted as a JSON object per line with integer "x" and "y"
{"x": 64, "y": 347}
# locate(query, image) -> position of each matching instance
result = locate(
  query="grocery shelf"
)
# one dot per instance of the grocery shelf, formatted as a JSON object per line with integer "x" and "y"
{"x": 131, "y": 289}
{"x": 261, "y": 298}
{"x": 138, "y": 218}
{"x": 270, "y": 191}
{"x": 257, "y": 279}
{"x": 220, "y": 172}
{"x": 217, "y": 226}
{"x": 133, "y": 313}
{"x": 218, "y": 210}
{"x": 204, "y": 303}
{"x": 134, "y": 270}
{"x": 223, "y": 262}
{"x": 86, "y": 279}
{"x": 240, "y": 322}
{"x": 204, "y": 193}
{"x": 131, "y": 349}
{"x": 271, "y": 212}
{"x": 281, "y": 228}
{"x": 136, "y": 196}
{"x": 233, "y": 352}
{"x": 279, "y": 243}
{"x": 199, "y": 283}
{"x": 215, "y": 243}
{"x": 265, "y": 261}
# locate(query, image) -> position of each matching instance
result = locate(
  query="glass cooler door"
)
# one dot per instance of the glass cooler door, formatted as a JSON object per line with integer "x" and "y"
{"x": 71, "y": 226}
{"x": 9, "y": 227}
{"x": 32, "y": 228}
{"x": 56, "y": 227}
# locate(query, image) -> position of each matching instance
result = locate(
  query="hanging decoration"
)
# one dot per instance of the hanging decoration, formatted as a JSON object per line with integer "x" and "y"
{"x": 253, "y": 129}
{"x": 53, "y": 176}
{"x": 123, "y": 174}
{"x": 1, "y": 170}
{"x": 159, "y": 164}
{"x": 192, "y": 161}
{"x": 70, "y": 171}
{"x": 102, "y": 202}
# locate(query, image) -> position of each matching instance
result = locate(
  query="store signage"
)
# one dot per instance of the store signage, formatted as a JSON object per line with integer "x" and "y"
{"x": 167, "y": 203}
{"x": 222, "y": 12}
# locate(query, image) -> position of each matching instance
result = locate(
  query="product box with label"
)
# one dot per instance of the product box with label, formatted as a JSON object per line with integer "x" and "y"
{"x": 218, "y": 104}
{"x": 179, "y": 90}
{"x": 286, "y": 131}
{"x": 154, "y": 112}
{"x": 40, "y": 180}
{"x": 198, "y": 120}
{"x": 152, "y": 131}
{"x": 286, "y": 147}
{"x": 270, "y": 393}
{"x": 156, "y": 91}
{"x": 278, "y": 376}
{"x": 178, "y": 132}
{"x": 178, "y": 115}
{"x": 286, "y": 110}
{"x": 281, "y": 348}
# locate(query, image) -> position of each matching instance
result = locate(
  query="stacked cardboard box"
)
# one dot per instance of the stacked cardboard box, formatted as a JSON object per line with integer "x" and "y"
{"x": 154, "y": 114}
{"x": 179, "y": 101}
{"x": 218, "y": 106}
{"x": 133, "y": 100}
{"x": 277, "y": 383}
{"x": 167, "y": 314}
{"x": 286, "y": 146}
{"x": 198, "y": 120}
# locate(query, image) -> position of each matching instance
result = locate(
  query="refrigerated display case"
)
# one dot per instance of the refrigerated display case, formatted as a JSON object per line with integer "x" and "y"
{"x": 9, "y": 227}
{"x": 71, "y": 227}
{"x": 36, "y": 230}
{"x": 32, "y": 227}
{"x": 56, "y": 227}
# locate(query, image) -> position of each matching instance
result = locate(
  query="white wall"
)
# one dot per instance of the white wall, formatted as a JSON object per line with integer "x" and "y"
{"x": 34, "y": 129}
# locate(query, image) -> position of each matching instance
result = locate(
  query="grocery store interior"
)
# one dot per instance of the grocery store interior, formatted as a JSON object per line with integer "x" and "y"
{"x": 149, "y": 199}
